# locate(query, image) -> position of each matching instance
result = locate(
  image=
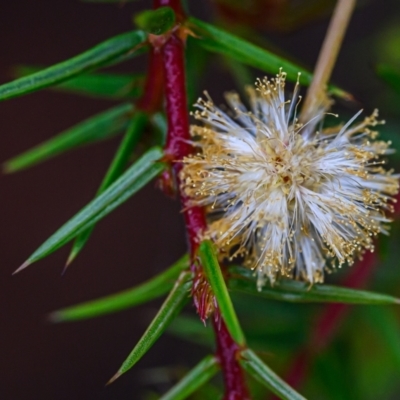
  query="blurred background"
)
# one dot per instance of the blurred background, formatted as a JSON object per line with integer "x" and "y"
{"x": 39, "y": 360}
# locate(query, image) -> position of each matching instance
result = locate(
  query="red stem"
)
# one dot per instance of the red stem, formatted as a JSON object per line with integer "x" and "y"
{"x": 151, "y": 99}
{"x": 178, "y": 137}
{"x": 227, "y": 353}
{"x": 177, "y": 147}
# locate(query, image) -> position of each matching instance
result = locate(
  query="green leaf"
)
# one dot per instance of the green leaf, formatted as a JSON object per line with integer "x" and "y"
{"x": 191, "y": 329}
{"x": 116, "y": 168}
{"x": 386, "y": 323}
{"x": 294, "y": 291}
{"x": 138, "y": 175}
{"x": 207, "y": 392}
{"x": 98, "y": 56}
{"x": 172, "y": 305}
{"x": 99, "y": 127}
{"x": 390, "y": 74}
{"x": 195, "y": 378}
{"x": 152, "y": 289}
{"x": 256, "y": 368}
{"x": 219, "y": 41}
{"x": 214, "y": 275}
{"x": 103, "y": 85}
{"x": 157, "y": 21}
{"x": 160, "y": 126}
{"x": 196, "y": 61}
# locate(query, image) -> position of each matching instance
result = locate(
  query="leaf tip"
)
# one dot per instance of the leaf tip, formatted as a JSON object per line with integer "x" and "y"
{"x": 114, "y": 378}
{"x": 6, "y": 169}
{"x": 71, "y": 257}
{"x": 55, "y": 317}
{"x": 23, "y": 266}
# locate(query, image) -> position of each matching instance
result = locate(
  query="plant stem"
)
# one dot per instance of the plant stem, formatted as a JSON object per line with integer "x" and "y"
{"x": 151, "y": 99}
{"x": 227, "y": 353}
{"x": 327, "y": 57}
{"x": 178, "y": 137}
{"x": 177, "y": 147}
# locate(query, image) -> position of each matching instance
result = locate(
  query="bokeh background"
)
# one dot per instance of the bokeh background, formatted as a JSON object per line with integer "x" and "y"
{"x": 39, "y": 360}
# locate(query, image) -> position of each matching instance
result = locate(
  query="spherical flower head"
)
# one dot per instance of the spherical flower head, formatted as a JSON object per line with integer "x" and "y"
{"x": 294, "y": 200}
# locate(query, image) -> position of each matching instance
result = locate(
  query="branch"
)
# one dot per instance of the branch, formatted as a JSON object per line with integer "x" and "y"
{"x": 177, "y": 147}
{"x": 327, "y": 57}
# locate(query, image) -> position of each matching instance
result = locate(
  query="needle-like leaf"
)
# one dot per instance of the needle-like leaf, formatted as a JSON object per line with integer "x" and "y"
{"x": 294, "y": 291}
{"x": 152, "y": 289}
{"x": 169, "y": 309}
{"x": 98, "y": 56}
{"x": 116, "y": 168}
{"x": 219, "y": 41}
{"x": 96, "y": 128}
{"x": 256, "y": 368}
{"x": 103, "y": 85}
{"x": 194, "y": 379}
{"x": 139, "y": 174}
{"x": 214, "y": 275}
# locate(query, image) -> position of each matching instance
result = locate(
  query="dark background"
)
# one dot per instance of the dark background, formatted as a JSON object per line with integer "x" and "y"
{"x": 39, "y": 360}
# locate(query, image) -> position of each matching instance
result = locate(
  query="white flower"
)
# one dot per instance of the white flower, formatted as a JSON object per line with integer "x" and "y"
{"x": 291, "y": 199}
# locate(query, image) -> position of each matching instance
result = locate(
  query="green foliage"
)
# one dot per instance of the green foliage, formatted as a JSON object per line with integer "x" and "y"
{"x": 361, "y": 363}
{"x": 99, "y": 127}
{"x": 173, "y": 304}
{"x": 197, "y": 377}
{"x": 214, "y": 275}
{"x": 99, "y": 56}
{"x": 147, "y": 291}
{"x": 295, "y": 291}
{"x": 255, "y": 366}
{"x": 118, "y": 165}
{"x": 138, "y": 175}
{"x": 157, "y": 21}
{"x": 97, "y": 85}
{"x": 219, "y": 41}
{"x": 390, "y": 74}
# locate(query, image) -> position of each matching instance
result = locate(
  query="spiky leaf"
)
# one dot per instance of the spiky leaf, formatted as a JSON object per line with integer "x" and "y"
{"x": 99, "y": 127}
{"x": 118, "y": 164}
{"x": 214, "y": 275}
{"x": 169, "y": 309}
{"x": 103, "y": 85}
{"x": 98, "y": 56}
{"x": 152, "y": 289}
{"x": 194, "y": 379}
{"x": 288, "y": 290}
{"x": 219, "y": 41}
{"x": 256, "y": 368}
{"x": 140, "y": 173}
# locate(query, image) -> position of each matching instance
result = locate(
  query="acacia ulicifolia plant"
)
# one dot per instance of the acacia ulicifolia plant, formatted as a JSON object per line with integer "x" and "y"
{"x": 265, "y": 185}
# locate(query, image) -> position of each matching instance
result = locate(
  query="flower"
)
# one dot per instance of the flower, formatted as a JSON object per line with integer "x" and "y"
{"x": 294, "y": 200}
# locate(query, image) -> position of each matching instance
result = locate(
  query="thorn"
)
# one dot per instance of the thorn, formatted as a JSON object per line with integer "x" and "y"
{"x": 114, "y": 378}
{"x": 5, "y": 169}
{"x": 23, "y": 266}
{"x": 65, "y": 267}
{"x": 54, "y": 317}
{"x": 71, "y": 257}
